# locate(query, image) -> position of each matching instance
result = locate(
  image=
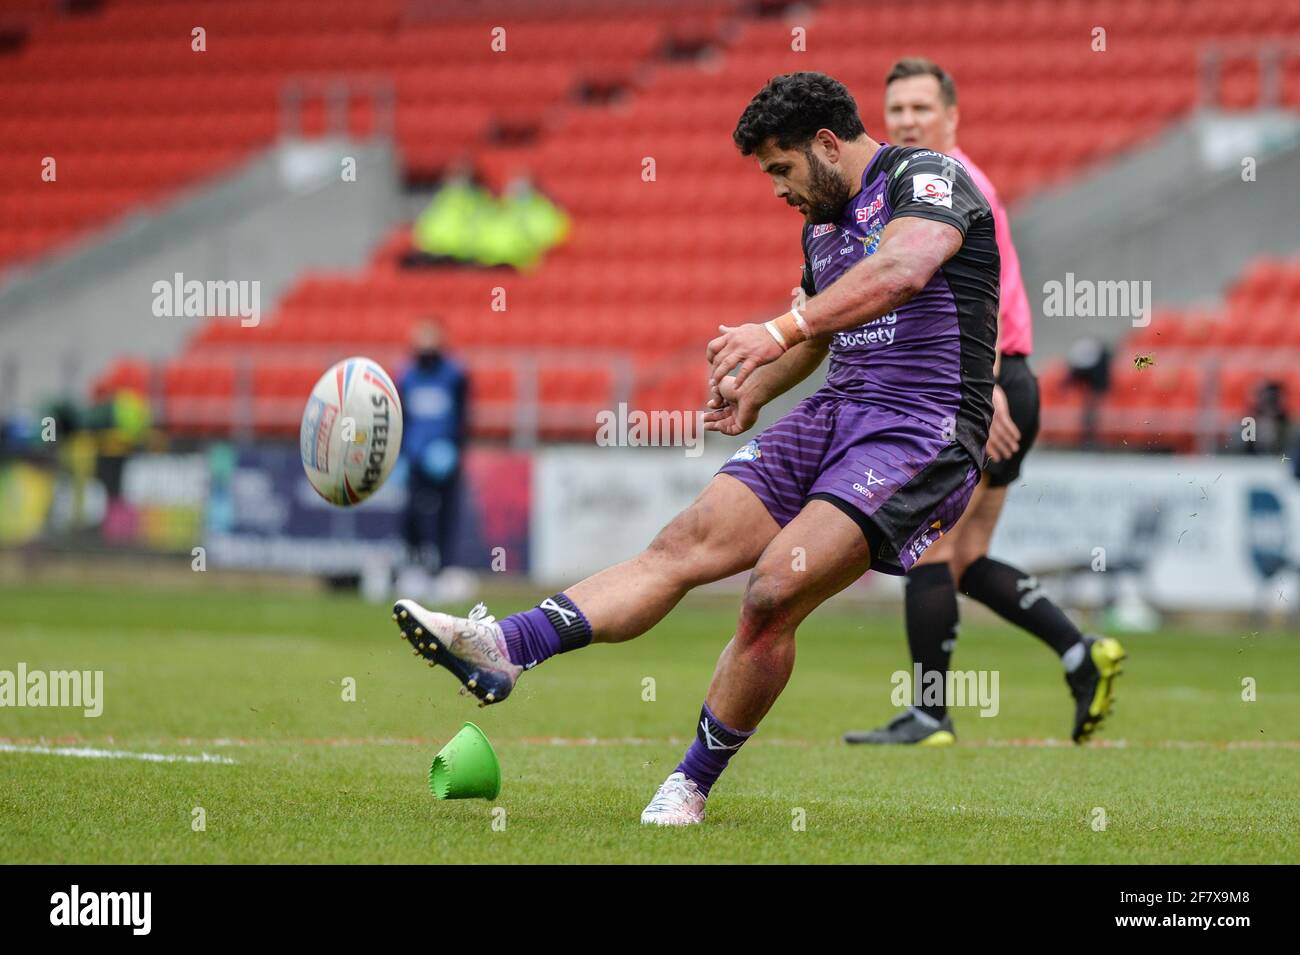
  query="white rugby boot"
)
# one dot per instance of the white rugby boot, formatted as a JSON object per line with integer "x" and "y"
{"x": 678, "y": 802}
{"x": 472, "y": 648}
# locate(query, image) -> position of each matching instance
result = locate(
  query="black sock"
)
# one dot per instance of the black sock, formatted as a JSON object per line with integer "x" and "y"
{"x": 1015, "y": 595}
{"x": 930, "y": 611}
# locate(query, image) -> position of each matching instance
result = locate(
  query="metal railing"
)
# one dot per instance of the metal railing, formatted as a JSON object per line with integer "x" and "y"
{"x": 337, "y": 93}
{"x": 1209, "y": 427}
{"x": 522, "y": 419}
{"x": 1270, "y": 57}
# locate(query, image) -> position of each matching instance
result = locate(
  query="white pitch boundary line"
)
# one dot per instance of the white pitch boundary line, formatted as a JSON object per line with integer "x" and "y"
{"x": 1046, "y": 743}
{"x": 20, "y": 744}
{"x": 87, "y": 752}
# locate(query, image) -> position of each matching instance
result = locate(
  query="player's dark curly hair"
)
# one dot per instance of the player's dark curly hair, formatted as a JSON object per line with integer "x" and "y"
{"x": 792, "y": 107}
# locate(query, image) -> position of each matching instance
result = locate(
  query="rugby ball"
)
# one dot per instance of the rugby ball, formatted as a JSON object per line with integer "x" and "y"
{"x": 351, "y": 431}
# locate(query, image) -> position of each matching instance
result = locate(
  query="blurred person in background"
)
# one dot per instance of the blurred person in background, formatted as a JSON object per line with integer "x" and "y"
{"x": 539, "y": 221}
{"x": 464, "y": 223}
{"x": 921, "y": 110}
{"x": 1272, "y": 424}
{"x": 448, "y": 229}
{"x": 433, "y": 390}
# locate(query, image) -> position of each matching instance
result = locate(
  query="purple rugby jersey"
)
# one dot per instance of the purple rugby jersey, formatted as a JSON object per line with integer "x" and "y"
{"x": 895, "y": 438}
{"x": 932, "y": 358}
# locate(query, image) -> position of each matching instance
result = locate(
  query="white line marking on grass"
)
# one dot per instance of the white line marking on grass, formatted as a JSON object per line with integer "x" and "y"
{"x": 87, "y": 752}
{"x": 1049, "y": 743}
{"x": 17, "y": 744}
{"x": 1097, "y": 743}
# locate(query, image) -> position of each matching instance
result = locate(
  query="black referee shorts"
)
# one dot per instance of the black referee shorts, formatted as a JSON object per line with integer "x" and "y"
{"x": 1021, "y": 388}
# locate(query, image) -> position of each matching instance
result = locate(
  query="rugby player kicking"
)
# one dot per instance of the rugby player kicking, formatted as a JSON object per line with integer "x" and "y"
{"x": 921, "y": 110}
{"x": 868, "y": 472}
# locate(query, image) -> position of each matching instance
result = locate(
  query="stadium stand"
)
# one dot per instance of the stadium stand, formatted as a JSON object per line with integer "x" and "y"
{"x": 564, "y": 106}
{"x": 93, "y": 89}
{"x": 1185, "y": 381}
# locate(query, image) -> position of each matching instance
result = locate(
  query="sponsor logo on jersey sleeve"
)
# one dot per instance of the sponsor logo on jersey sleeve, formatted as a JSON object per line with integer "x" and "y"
{"x": 935, "y": 190}
{"x": 824, "y": 229}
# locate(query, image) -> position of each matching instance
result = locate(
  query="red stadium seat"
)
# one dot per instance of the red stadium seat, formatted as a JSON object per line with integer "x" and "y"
{"x": 645, "y": 273}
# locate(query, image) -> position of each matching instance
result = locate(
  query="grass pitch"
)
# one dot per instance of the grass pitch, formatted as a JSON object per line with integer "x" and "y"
{"x": 1185, "y": 770}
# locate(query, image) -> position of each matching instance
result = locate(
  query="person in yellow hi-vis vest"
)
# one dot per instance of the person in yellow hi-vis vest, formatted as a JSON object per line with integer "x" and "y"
{"x": 541, "y": 223}
{"x": 452, "y": 223}
{"x": 465, "y": 222}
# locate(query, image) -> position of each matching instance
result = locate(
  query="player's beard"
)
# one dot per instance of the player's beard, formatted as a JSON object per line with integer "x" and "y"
{"x": 828, "y": 193}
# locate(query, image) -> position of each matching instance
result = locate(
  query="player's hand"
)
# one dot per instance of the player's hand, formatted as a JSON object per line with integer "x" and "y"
{"x": 731, "y": 411}
{"x": 747, "y": 346}
{"x": 1004, "y": 436}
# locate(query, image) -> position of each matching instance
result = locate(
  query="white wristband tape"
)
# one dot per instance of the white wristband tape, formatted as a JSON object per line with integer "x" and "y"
{"x": 776, "y": 333}
{"x": 801, "y": 323}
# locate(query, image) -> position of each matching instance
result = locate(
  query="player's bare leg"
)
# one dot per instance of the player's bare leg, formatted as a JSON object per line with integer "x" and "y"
{"x": 722, "y": 533}
{"x": 974, "y": 532}
{"x": 814, "y": 557}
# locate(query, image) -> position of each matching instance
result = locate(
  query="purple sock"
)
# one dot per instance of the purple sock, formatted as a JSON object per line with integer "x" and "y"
{"x": 556, "y": 625}
{"x": 715, "y": 743}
